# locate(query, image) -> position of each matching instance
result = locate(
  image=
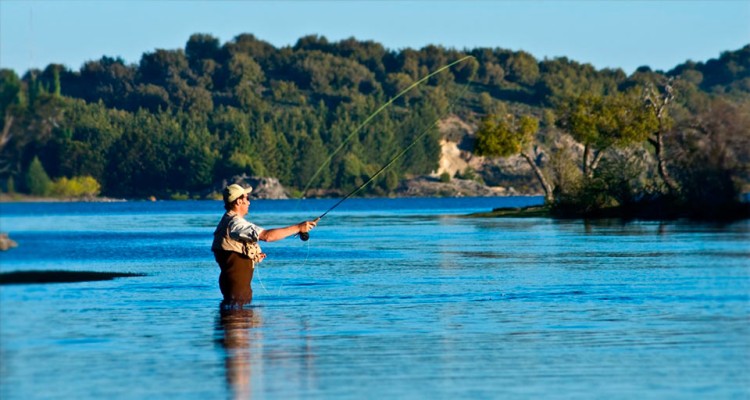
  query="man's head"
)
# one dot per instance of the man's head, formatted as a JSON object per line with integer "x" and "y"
{"x": 233, "y": 193}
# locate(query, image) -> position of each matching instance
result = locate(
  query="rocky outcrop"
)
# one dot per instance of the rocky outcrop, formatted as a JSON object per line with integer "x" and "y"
{"x": 6, "y": 242}
{"x": 263, "y": 187}
{"x": 267, "y": 188}
{"x": 432, "y": 187}
{"x": 506, "y": 176}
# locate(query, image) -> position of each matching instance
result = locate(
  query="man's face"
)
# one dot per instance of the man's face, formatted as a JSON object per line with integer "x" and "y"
{"x": 244, "y": 203}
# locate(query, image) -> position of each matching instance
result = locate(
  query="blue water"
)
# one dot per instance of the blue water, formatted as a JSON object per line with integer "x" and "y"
{"x": 390, "y": 298}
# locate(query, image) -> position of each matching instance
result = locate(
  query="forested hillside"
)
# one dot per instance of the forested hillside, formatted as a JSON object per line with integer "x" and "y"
{"x": 182, "y": 121}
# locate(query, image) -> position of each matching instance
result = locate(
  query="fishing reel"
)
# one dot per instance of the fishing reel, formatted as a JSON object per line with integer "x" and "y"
{"x": 304, "y": 236}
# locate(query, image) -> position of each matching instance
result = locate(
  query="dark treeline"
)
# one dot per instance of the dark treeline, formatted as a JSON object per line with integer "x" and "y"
{"x": 182, "y": 121}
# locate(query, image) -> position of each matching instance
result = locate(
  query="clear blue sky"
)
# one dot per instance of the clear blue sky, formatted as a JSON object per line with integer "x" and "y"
{"x": 607, "y": 34}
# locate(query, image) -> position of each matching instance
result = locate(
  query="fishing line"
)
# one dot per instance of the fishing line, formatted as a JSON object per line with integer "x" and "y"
{"x": 383, "y": 168}
{"x": 307, "y": 256}
{"x": 257, "y": 273}
{"x": 304, "y": 236}
{"x": 374, "y": 114}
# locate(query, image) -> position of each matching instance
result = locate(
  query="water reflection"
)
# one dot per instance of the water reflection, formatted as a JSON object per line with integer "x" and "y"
{"x": 238, "y": 336}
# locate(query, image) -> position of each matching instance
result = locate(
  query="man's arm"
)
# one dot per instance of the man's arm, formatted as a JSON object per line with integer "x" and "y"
{"x": 272, "y": 235}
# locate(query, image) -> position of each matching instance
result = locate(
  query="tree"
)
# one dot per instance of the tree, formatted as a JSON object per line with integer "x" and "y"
{"x": 506, "y": 136}
{"x": 139, "y": 162}
{"x": 713, "y": 158}
{"x": 107, "y": 79}
{"x": 37, "y": 180}
{"x": 163, "y": 66}
{"x": 10, "y": 101}
{"x": 30, "y": 115}
{"x": 195, "y": 116}
{"x": 242, "y": 77}
{"x": 201, "y": 47}
{"x": 466, "y": 71}
{"x": 601, "y": 122}
{"x": 658, "y": 100}
{"x": 522, "y": 68}
{"x": 312, "y": 156}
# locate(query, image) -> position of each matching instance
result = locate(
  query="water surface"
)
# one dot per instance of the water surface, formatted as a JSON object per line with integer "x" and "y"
{"x": 390, "y": 297}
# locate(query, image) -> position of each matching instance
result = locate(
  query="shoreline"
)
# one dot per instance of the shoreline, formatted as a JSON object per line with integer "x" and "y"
{"x": 740, "y": 213}
{"x": 22, "y": 198}
{"x": 4, "y": 198}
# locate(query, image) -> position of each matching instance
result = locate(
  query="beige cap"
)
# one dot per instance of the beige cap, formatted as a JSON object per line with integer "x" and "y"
{"x": 233, "y": 192}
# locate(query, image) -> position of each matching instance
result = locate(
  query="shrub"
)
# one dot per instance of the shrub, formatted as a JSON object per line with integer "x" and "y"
{"x": 84, "y": 186}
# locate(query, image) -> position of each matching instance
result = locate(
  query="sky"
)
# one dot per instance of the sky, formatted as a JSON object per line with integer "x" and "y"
{"x": 622, "y": 34}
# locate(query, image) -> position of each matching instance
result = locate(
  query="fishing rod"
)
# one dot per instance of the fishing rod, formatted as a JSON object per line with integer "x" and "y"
{"x": 378, "y": 111}
{"x": 304, "y": 236}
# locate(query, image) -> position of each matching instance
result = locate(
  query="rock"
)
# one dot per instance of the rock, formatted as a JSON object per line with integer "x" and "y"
{"x": 263, "y": 187}
{"x": 6, "y": 242}
{"x": 432, "y": 187}
{"x": 267, "y": 188}
{"x": 503, "y": 175}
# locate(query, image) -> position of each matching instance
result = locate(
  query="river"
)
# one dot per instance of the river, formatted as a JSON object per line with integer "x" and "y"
{"x": 390, "y": 298}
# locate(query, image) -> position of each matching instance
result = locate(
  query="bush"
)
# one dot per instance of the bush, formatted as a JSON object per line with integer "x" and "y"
{"x": 179, "y": 196}
{"x": 10, "y": 186}
{"x": 85, "y": 186}
{"x": 445, "y": 177}
{"x": 470, "y": 175}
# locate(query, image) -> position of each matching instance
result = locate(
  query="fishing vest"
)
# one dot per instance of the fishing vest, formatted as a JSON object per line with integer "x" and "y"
{"x": 223, "y": 241}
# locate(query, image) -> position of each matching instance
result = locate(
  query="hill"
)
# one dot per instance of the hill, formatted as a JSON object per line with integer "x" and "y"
{"x": 183, "y": 120}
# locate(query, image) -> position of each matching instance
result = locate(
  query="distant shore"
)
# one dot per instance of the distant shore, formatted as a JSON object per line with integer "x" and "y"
{"x": 24, "y": 198}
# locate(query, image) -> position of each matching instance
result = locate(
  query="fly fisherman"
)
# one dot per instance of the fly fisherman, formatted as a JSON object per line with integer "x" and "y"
{"x": 236, "y": 248}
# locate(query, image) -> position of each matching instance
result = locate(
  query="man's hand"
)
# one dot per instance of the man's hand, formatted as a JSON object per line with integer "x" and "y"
{"x": 307, "y": 226}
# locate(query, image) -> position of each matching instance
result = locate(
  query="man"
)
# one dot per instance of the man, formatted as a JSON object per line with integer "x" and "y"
{"x": 236, "y": 248}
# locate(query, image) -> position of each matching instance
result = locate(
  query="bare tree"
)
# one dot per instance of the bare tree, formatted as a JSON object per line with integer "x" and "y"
{"x": 658, "y": 99}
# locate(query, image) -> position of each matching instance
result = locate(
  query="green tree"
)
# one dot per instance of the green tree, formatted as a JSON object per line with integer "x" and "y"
{"x": 10, "y": 102}
{"x": 312, "y": 156}
{"x": 243, "y": 77}
{"x": 30, "y": 116}
{"x": 107, "y": 79}
{"x": 139, "y": 162}
{"x": 37, "y": 181}
{"x": 11, "y": 185}
{"x": 201, "y": 47}
{"x": 466, "y": 71}
{"x": 601, "y": 122}
{"x": 522, "y": 68}
{"x": 507, "y": 136}
{"x": 81, "y": 144}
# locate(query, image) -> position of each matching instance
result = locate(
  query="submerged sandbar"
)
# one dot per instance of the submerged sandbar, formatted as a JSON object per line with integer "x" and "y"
{"x": 59, "y": 276}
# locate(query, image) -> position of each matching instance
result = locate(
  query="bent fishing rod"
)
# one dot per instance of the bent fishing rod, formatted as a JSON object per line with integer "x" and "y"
{"x": 304, "y": 236}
